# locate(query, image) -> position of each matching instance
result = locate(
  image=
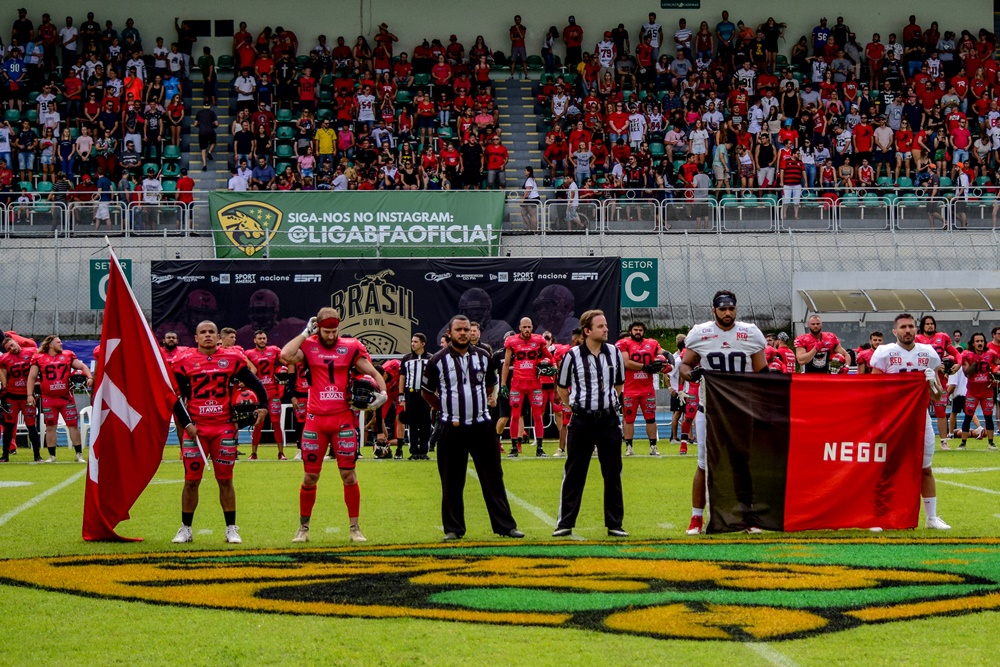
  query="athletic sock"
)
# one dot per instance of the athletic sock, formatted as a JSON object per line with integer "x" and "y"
{"x": 963, "y": 442}
{"x": 652, "y": 443}
{"x": 697, "y": 511}
{"x": 352, "y": 498}
{"x": 230, "y": 517}
{"x": 52, "y": 451}
{"x": 538, "y": 443}
{"x": 930, "y": 507}
{"x": 989, "y": 440}
{"x": 628, "y": 442}
{"x": 187, "y": 518}
{"x": 78, "y": 449}
{"x": 307, "y": 498}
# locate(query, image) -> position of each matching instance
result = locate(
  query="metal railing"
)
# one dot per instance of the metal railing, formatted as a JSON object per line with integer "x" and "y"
{"x": 608, "y": 212}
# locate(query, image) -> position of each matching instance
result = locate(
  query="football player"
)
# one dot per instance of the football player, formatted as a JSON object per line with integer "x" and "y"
{"x": 643, "y": 359}
{"x": 171, "y": 349}
{"x": 264, "y": 357}
{"x": 784, "y": 354}
{"x": 205, "y": 376}
{"x": 865, "y": 355}
{"x": 262, "y": 312}
{"x": 51, "y": 367}
{"x": 15, "y": 363}
{"x": 565, "y": 414}
{"x": 331, "y": 359}
{"x": 813, "y": 349}
{"x": 980, "y": 365}
{"x": 723, "y": 344}
{"x": 908, "y": 356}
{"x": 951, "y": 359}
{"x": 525, "y": 353}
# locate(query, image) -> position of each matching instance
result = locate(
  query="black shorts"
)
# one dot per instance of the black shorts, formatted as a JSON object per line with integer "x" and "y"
{"x": 504, "y": 405}
{"x": 206, "y": 140}
{"x": 675, "y": 403}
{"x": 958, "y": 405}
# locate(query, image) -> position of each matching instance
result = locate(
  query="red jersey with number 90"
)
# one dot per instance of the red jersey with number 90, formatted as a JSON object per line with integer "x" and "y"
{"x": 525, "y": 355}
{"x": 209, "y": 377}
{"x": 643, "y": 352}
{"x": 266, "y": 362}
{"x": 330, "y": 373}
{"x": 53, "y": 372}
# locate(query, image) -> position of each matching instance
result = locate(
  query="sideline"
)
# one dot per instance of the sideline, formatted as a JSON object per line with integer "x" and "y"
{"x": 772, "y": 655}
{"x": 41, "y": 496}
{"x": 968, "y": 486}
{"x": 537, "y": 512}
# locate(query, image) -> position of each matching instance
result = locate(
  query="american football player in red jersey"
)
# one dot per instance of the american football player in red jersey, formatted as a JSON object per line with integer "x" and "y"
{"x": 265, "y": 358}
{"x": 982, "y": 369}
{"x": 813, "y": 348}
{"x": 864, "y": 353}
{"x": 951, "y": 360}
{"x": 15, "y": 363}
{"x": 558, "y": 352}
{"x": 525, "y": 354}
{"x": 330, "y": 416}
{"x": 784, "y": 354}
{"x": 171, "y": 349}
{"x": 644, "y": 358}
{"x": 51, "y": 367}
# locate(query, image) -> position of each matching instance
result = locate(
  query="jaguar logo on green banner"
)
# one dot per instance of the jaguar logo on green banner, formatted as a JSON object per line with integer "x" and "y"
{"x": 357, "y": 224}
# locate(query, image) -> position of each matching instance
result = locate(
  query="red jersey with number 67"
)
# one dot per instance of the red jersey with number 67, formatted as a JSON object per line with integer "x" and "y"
{"x": 330, "y": 371}
{"x": 206, "y": 378}
{"x": 642, "y": 352}
{"x": 53, "y": 373}
{"x": 266, "y": 362}
{"x": 525, "y": 355}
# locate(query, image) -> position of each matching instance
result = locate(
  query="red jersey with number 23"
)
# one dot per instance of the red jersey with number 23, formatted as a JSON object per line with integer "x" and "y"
{"x": 525, "y": 355}
{"x": 53, "y": 372}
{"x": 642, "y": 352}
{"x": 330, "y": 373}
{"x": 209, "y": 377}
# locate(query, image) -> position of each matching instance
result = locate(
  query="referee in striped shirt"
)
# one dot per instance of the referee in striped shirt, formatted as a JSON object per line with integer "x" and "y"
{"x": 416, "y": 413}
{"x": 590, "y": 382}
{"x": 459, "y": 382}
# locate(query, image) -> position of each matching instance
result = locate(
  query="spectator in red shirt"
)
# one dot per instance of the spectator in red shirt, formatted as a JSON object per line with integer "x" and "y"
{"x": 185, "y": 195}
{"x": 496, "y": 163}
{"x": 573, "y": 39}
{"x": 555, "y": 157}
{"x": 307, "y": 90}
{"x": 402, "y": 72}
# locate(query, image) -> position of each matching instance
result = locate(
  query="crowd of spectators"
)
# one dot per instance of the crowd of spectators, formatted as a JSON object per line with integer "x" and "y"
{"x": 683, "y": 108}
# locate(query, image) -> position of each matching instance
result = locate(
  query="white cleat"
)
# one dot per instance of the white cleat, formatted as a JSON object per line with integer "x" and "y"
{"x": 302, "y": 534}
{"x": 628, "y": 450}
{"x": 559, "y": 453}
{"x": 875, "y": 529}
{"x": 298, "y": 455}
{"x": 184, "y": 535}
{"x": 653, "y": 451}
{"x": 51, "y": 459}
{"x": 328, "y": 457}
{"x": 233, "y": 535}
{"x": 754, "y": 530}
{"x": 79, "y": 458}
{"x": 356, "y": 534}
{"x": 936, "y": 523}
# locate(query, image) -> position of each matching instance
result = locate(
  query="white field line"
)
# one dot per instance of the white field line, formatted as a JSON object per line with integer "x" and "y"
{"x": 41, "y": 496}
{"x": 535, "y": 511}
{"x": 771, "y": 654}
{"x": 969, "y": 486}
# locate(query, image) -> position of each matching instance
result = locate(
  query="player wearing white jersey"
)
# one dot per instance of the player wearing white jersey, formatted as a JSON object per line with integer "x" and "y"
{"x": 907, "y": 356}
{"x": 723, "y": 345}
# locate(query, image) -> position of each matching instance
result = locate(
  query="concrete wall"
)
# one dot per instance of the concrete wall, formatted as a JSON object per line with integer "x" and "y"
{"x": 419, "y": 19}
{"x": 757, "y": 267}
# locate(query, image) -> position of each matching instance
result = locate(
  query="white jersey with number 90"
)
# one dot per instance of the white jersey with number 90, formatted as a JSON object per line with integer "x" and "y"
{"x": 725, "y": 351}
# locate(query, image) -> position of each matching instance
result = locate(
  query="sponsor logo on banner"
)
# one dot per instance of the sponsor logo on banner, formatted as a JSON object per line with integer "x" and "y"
{"x": 436, "y": 277}
{"x": 584, "y": 275}
{"x": 224, "y": 278}
{"x": 552, "y": 276}
{"x": 275, "y": 279}
{"x": 523, "y": 277}
{"x": 308, "y": 278}
{"x": 159, "y": 280}
{"x": 246, "y": 278}
{"x": 378, "y": 312}
{"x": 190, "y": 279}
{"x": 656, "y": 590}
{"x": 469, "y": 276}
{"x": 250, "y": 225}
{"x": 503, "y": 276}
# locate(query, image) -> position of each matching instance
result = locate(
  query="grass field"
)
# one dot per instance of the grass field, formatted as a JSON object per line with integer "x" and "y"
{"x": 595, "y": 600}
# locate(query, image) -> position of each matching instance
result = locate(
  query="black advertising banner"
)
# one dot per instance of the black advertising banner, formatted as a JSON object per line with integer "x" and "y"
{"x": 383, "y": 301}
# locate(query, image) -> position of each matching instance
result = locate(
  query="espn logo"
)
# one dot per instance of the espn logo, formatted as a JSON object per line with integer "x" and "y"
{"x": 584, "y": 275}
{"x": 308, "y": 278}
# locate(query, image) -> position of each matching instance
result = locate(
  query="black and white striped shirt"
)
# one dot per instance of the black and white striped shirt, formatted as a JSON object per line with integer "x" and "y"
{"x": 590, "y": 378}
{"x": 463, "y": 383}
{"x": 411, "y": 369}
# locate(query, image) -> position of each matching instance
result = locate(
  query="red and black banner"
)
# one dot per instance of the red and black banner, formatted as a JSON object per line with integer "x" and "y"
{"x": 811, "y": 452}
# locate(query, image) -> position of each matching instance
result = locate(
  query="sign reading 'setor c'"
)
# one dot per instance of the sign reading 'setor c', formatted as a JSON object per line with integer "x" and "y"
{"x": 640, "y": 281}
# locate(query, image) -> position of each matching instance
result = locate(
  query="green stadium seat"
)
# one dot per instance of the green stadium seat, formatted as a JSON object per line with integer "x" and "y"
{"x": 749, "y": 200}
{"x": 403, "y": 97}
{"x": 169, "y": 186}
{"x": 536, "y": 63}
{"x": 729, "y": 199}
{"x": 326, "y": 81}
{"x": 74, "y": 133}
{"x": 225, "y": 63}
{"x": 171, "y": 170}
{"x": 171, "y": 153}
{"x": 871, "y": 199}
{"x": 982, "y": 180}
{"x": 569, "y": 78}
{"x": 12, "y": 116}
{"x": 445, "y": 133}
{"x": 421, "y": 79}
{"x": 284, "y": 152}
{"x": 325, "y": 96}
{"x": 285, "y": 116}
{"x": 884, "y": 182}
{"x": 323, "y": 114}
{"x": 904, "y": 182}
{"x": 849, "y": 199}
{"x": 44, "y": 187}
{"x": 25, "y": 185}
{"x": 281, "y": 166}
{"x": 781, "y": 61}
{"x": 285, "y": 133}
{"x": 301, "y": 61}
{"x": 657, "y": 149}
{"x": 31, "y": 115}
{"x": 33, "y": 97}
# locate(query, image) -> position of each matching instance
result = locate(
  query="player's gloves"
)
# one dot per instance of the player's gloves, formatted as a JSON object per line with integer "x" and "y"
{"x": 311, "y": 327}
{"x": 649, "y": 368}
{"x": 505, "y": 392}
{"x": 546, "y": 368}
{"x": 683, "y": 396}
{"x": 932, "y": 380}
{"x": 948, "y": 364}
{"x": 697, "y": 374}
{"x": 379, "y": 400}
{"x": 996, "y": 376}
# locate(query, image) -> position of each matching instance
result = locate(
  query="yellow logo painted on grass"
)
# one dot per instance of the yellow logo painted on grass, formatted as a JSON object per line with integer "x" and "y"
{"x": 758, "y": 590}
{"x": 250, "y": 225}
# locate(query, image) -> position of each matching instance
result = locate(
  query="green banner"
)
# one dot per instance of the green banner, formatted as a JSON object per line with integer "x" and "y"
{"x": 356, "y": 224}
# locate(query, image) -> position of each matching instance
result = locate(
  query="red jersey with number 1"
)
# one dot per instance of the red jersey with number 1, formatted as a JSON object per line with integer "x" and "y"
{"x": 525, "y": 355}
{"x": 53, "y": 373}
{"x": 266, "y": 362}
{"x": 642, "y": 352}
{"x": 207, "y": 379}
{"x": 330, "y": 371}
